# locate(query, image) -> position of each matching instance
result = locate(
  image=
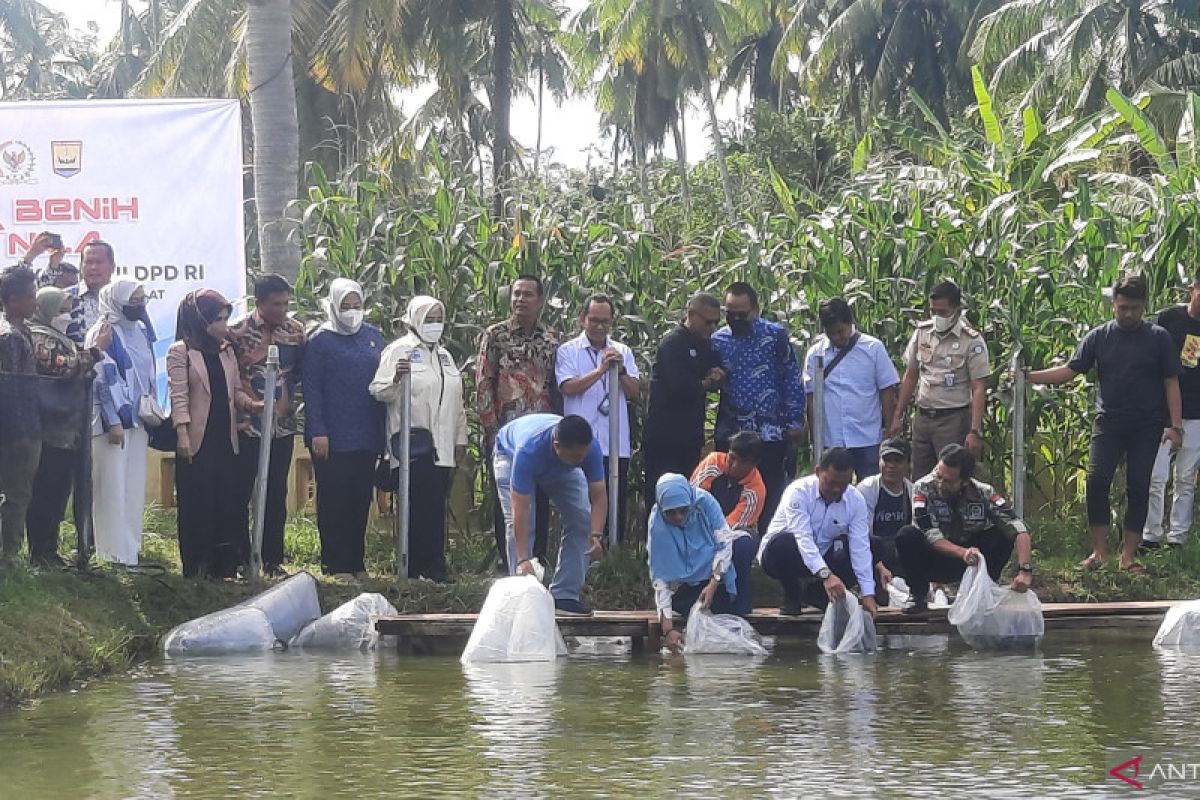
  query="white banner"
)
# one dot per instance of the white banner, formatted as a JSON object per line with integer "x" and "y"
{"x": 159, "y": 180}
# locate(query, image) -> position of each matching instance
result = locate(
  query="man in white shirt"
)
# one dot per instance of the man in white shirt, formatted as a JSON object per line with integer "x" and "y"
{"x": 888, "y": 496}
{"x": 821, "y": 531}
{"x": 582, "y": 372}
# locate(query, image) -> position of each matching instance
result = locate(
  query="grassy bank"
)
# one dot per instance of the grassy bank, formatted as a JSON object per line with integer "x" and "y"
{"x": 59, "y": 628}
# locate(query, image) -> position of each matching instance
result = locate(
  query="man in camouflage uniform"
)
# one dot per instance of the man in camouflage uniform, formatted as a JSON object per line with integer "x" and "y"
{"x": 946, "y": 366}
{"x": 956, "y": 520}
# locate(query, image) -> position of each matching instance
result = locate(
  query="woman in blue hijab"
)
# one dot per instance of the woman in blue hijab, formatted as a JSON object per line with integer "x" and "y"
{"x": 694, "y": 555}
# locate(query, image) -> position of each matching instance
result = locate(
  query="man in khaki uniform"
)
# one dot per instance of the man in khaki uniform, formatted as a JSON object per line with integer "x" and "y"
{"x": 946, "y": 365}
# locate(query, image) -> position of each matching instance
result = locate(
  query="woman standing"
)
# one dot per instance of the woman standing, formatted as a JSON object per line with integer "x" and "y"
{"x": 343, "y": 425}
{"x": 126, "y": 375}
{"x": 438, "y": 439}
{"x": 206, "y": 395}
{"x": 57, "y": 356}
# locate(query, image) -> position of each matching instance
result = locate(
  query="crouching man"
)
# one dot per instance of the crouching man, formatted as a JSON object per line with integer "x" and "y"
{"x": 956, "y": 520}
{"x": 821, "y": 531}
{"x": 561, "y": 456}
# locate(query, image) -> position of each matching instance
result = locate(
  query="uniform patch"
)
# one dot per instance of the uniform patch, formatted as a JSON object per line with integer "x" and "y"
{"x": 416, "y": 357}
{"x": 975, "y": 511}
{"x": 977, "y": 349}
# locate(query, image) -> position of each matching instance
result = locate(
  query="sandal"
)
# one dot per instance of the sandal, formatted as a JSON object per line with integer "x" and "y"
{"x": 1092, "y": 562}
{"x": 1135, "y": 569}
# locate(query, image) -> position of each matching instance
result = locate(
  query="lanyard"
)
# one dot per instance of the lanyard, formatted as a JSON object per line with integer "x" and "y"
{"x": 594, "y": 354}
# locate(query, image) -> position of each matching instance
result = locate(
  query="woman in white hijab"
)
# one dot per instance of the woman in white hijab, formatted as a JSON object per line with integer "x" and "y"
{"x": 438, "y": 441}
{"x": 343, "y": 425}
{"x": 119, "y": 440}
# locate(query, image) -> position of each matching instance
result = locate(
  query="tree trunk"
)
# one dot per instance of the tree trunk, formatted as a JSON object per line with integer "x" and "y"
{"x": 276, "y": 133}
{"x": 681, "y": 156}
{"x": 154, "y": 14}
{"x": 700, "y": 60}
{"x": 537, "y": 153}
{"x": 502, "y": 33}
{"x": 616, "y": 151}
{"x": 765, "y": 87}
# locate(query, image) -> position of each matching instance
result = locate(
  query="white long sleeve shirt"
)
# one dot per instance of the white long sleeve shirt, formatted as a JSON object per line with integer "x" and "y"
{"x": 816, "y": 524}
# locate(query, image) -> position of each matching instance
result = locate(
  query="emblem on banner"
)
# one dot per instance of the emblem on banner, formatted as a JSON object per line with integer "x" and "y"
{"x": 16, "y": 162}
{"x": 68, "y": 158}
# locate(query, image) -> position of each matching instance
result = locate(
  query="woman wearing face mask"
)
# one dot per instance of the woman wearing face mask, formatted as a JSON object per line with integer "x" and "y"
{"x": 56, "y": 356}
{"x": 343, "y": 425}
{"x": 126, "y": 374}
{"x": 206, "y": 396}
{"x": 438, "y": 439}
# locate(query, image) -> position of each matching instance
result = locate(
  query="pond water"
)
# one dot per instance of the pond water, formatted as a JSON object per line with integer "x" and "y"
{"x": 924, "y": 716}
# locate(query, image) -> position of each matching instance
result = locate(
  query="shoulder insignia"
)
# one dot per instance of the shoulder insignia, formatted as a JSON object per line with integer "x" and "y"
{"x": 925, "y": 324}
{"x": 969, "y": 331}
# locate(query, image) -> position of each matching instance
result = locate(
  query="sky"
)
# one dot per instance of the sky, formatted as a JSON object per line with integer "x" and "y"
{"x": 571, "y": 131}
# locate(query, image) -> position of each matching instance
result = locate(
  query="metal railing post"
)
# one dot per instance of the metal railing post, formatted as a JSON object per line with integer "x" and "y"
{"x": 82, "y": 504}
{"x": 818, "y": 410}
{"x": 614, "y": 453}
{"x": 402, "y": 484}
{"x": 1018, "y": 426}
{"x": 266, "y": 436}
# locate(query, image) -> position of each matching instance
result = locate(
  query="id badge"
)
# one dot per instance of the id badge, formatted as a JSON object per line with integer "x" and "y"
{"x": 948, "y": 379}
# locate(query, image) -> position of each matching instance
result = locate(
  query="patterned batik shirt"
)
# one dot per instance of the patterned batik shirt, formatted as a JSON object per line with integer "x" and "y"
{"x": 251, "y": 337}
{"x": 514, "y": 374}
{"x": 763, "y": 393}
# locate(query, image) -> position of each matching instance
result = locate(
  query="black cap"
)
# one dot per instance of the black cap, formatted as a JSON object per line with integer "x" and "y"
{"x": 896, "y": 446}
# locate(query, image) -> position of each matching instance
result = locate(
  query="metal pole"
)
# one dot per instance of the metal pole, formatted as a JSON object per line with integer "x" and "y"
{"x": 402, "y": 500}
{"x": 1018, "y": 425}
{"x": 614, "y": 452}
{"x": 267, "y": 433}
{"x": 818, "y": 410}
{"x": 82, "y": 505}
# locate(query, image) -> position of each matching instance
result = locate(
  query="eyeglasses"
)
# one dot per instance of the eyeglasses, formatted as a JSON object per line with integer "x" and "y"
{"x": 737, "y": 316}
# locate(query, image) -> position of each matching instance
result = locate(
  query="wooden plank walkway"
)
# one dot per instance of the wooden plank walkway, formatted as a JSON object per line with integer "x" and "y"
{"x": 425, "y": 633}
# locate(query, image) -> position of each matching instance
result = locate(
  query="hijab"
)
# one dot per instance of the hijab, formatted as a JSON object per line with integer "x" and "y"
{"x": 340, "y": 322}
{"x": 50, "y": 301}
{"x": 419, "y": 308}
{"x": 683, "y": 553}
{"x": 198, "y": 310}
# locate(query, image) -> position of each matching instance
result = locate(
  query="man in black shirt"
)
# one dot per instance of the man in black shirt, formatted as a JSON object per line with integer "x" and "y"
{"x": 686, "y": 369}
{"x": 1132, "y": 359}
{"x": 1183, "y": 323}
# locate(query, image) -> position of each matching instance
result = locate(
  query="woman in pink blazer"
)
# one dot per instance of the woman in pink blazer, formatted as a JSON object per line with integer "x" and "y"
{"x": 206, "y": 396}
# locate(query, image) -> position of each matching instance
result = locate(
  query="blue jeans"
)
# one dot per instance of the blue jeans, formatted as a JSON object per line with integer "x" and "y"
{"x": 569, "y": 494}
{"x": 866, "y": 461}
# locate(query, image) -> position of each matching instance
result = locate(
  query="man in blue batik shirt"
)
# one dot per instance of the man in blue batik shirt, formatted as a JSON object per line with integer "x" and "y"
{"x": 763, "y": 393}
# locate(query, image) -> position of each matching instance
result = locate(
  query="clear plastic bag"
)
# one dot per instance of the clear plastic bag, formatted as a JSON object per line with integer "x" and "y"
{"x": 350, "y": 626}
{"x": 231, "y": 630}
{"x": 995, "y": 617}
{"x": 516, "y": 623}
{"x": 898, "y": 593}
{"x": 1181, "y": 627}
{"x": 289, "y": 605}
{"x": 847, "y": 628}
{"x": 721, "y": 633}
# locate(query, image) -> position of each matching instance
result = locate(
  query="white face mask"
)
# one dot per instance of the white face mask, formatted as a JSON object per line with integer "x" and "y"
{"x": 943, "y": 324}
{"x": 61, "y": 322}
{"x": 432, "y": 331}
{"x": 352, "y": 319}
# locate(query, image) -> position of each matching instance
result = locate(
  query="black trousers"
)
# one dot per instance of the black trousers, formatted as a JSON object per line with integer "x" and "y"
{"x": 428, "y": 486}
{"x": 212, "y": 520}
{"x": 622, "y": 496}
{"x": 923, "y": 564}
{"x": 345, "y": 486}
{"x": 782, "y": 561}
{"x": 1139, "y": 444}
{"x": 541, "y": 524}
{"x": 282, "y": 449}
{"x": 775, "y": 472}
{"x": 884, "y": 549}
{"x": 51, "y": 489}
{"x": 659, "y": 458}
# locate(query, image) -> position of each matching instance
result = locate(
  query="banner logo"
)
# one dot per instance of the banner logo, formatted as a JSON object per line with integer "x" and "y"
{"x": 1133, "y": 766}
{"x": 68, "y": 158}
{"x": 16, "y": 163}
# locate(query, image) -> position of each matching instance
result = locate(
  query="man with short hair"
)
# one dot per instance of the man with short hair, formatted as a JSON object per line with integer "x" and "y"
{"x": 270, "y": 324}
{"x": 860, "y": 386}
{"x": 947, "y": 367}
{"x": 888, "y": 496}
{"x": 820, "y": 531}
{"x": 686, "y": 369}
{"x": 582, "y": 370}
{"x": 1183, "y": 324}
{"x": 1138, "y": 407}
{"x": 99, "y": 263}
{"x": 20, "y": 423}
{"x": 514, "y": 376}
{"x": 734, "y": 481}
{"x": 764, "y": 393}
{"x": 956, "y": 520}
{"x": 561, "y": 456}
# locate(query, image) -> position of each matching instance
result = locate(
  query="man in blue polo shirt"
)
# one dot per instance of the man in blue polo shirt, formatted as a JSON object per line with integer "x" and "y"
{"x": 561, "y": 456}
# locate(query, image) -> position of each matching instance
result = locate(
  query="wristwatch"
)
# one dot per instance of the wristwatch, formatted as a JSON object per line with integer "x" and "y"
{"x": 1025, "y": 568}
{"x": 1178, "y": 429}
{"x": 823, "y": 573}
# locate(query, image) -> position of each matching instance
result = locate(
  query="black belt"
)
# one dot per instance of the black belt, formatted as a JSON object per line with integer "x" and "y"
{"x": 941, "y": 412}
